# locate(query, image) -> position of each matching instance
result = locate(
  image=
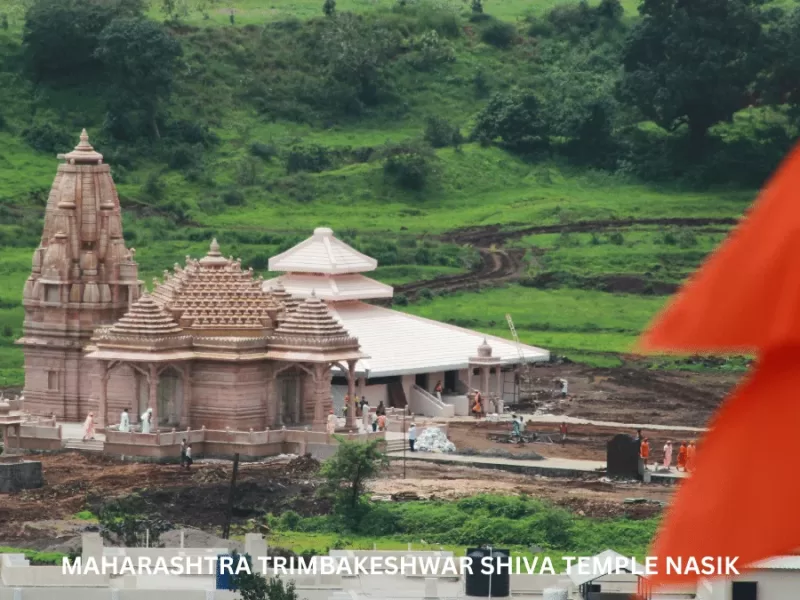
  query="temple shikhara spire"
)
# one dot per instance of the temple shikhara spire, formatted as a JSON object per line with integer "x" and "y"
{"x": 82, "y": 277}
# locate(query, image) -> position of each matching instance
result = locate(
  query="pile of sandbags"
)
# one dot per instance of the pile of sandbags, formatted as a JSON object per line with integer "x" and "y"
{"x": 433, "y": 439}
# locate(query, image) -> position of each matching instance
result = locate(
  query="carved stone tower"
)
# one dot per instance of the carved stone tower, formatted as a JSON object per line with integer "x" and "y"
{"x": 83, "y": 277}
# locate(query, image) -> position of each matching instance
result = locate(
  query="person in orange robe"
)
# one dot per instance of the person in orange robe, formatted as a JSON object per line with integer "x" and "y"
{"x": 682, "y": 456}
{"x": 691, "y": 457}
{"x": 644, "y": 451}
{"x": 739, "y": 501}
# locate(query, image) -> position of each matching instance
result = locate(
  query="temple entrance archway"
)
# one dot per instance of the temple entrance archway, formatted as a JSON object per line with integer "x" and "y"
{"x": 289, "y": 397}
{"x": 170, "y": 397}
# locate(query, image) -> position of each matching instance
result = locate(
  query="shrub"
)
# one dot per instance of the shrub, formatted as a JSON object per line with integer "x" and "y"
{"x": 45, "y": 137}
{"x": 439, "y": 133}
{"x": 262, "y": 150}
{"x": 289, "y": 520}
{"x": 399, "y": 300}
{"x": 516, "y": 118}
{"x": 154, "y": 188}
{"x": 233, "y": 198}
{"x": 312, "y": 158}
{"x": 425, "y": 294}
{"x": 409, "y": 165}
{"x": 183, "y": 156}
{"x": 247, "y": 171}
{"x": 498, "y": 33}
{"x": 430, "y": 51}
{"x": 616, "y": 238}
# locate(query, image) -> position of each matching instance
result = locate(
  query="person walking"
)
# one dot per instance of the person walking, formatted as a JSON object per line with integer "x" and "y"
{"x": 382, "y": 423}
{"x": 682, "y": 457}
{"x": 515, "y": 428}
{"x": 88, "y": 427}
{"x": 412, "y": 436}
{"x": 644, "y": 452}
{"x": 331, "y": 424}
{"x": 189, "y": 460}
{"x": 183, "y": 453}
{"x": 146, "y": 420}
{"x": 691, "y": 456}
{"x": 374, "y": 424}
{"x": 381, "y": 410}
{"x": 438, "y": 390}
{"x": 125, "y": 421}
{"x": 563, "y": 430}
{"x": 668, "y": 455}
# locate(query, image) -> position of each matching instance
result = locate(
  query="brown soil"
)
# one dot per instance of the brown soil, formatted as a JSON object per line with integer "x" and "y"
{"x": 636, "y": 394}
{"x": 76, "y": 482}
{"x": 589, "y": 496}
{"x": 584, "y": 442}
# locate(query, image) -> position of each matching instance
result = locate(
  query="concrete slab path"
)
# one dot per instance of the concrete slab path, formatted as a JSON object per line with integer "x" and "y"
{"x": 556, "y": 467}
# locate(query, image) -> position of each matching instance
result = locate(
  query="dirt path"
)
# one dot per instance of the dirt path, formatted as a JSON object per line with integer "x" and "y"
{"x": 496, "y": 266}
{"x": 484, "y": 236}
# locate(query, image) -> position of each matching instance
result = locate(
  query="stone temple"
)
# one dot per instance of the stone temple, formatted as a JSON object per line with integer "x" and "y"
{"x": 212, "y": 346}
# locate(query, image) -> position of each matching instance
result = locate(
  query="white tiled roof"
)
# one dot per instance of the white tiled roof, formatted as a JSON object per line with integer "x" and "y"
{"x": 351, "y": 286}
{"x": 398, "y": 343}
{"x": 322, "y": 253}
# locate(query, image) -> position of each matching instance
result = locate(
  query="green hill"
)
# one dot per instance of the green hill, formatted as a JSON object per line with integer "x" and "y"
{"x": 276, "y": 119}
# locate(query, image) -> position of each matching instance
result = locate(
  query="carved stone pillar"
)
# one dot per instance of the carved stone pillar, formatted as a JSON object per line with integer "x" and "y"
{"x": 102, "y": 404}
{"x": 322, "y": 396}
{"x": 351, "y": 392}
{"x": 186, "y": 371}
{"x": 152, "y": 401}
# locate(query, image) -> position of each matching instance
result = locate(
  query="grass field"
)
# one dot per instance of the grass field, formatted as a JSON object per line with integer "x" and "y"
{"x": 470, "y": 186}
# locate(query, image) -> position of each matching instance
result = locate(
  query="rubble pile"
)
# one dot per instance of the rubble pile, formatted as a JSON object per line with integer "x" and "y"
{"x": 433, "y": 439}
{"x": 302, "y": 465}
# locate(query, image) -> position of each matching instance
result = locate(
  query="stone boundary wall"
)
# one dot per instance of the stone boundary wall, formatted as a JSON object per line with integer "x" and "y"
{"x": 207, "y": 443}
{"x": 38, "y": 437}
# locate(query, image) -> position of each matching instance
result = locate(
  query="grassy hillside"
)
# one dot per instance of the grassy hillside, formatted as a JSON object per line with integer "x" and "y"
{"x": 250, "y": 96}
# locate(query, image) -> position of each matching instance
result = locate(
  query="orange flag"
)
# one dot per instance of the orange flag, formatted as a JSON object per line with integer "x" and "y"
{"x": 740, "y": 501}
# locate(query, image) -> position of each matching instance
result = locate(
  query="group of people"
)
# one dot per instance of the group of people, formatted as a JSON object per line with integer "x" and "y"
{"x": 687, "y": 454}
{"x": 377, "y": 422}
{"x": 124, "y": 423}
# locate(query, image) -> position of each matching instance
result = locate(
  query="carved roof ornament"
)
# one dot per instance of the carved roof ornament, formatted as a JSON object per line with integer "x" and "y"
{"x": 84, "y": 153}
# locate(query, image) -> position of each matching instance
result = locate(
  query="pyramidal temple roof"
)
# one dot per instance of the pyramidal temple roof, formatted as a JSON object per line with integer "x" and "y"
{"x": 146, "y": 318}
{"x": 146, "y": 327}
{"x": 311, "y": 333}
{"x": 324, "y": 254}
{"x": 213, "y": 296}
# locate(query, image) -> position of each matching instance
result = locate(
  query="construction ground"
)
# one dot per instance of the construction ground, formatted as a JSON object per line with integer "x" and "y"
{"x": 668, "y": 405}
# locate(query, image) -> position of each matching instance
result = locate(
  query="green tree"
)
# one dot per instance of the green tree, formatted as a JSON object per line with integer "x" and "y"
{"x": 346, "y": 475}
{"x": 254, "y": 586}
{"x": 126, "y": 522}
{"x": 516, "y": 118}
{"x": 329, "y": 8}
{"x": 477, "y": 7}
{"x": 354, "y": 52}
{"x": 140, "y": 56}
{"x": 692, "y": 61}
{"x": 780, "y": 81}
{"x": 60, "y": 36}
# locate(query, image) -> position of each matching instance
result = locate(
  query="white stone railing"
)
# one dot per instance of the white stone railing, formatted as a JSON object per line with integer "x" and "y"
{"x": 424, "y": 403}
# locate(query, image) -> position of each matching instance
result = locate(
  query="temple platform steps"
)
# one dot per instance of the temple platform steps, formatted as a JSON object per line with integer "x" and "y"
{"x": 81, "y": 446}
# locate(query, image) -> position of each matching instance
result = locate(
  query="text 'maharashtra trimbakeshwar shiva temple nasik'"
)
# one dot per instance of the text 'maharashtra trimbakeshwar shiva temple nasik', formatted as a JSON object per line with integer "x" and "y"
{"x": 211, "y": 345}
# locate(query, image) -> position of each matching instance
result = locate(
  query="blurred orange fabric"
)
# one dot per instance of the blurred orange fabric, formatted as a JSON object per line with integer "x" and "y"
{"x": 746, "y": 297}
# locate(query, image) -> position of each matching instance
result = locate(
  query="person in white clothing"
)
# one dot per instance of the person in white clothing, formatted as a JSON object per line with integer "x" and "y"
{"x": 412, "y": 436}
{"x": 125, "y": 421}
{"x": 146, "y": 418}
{"x": 331, "y": 423}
